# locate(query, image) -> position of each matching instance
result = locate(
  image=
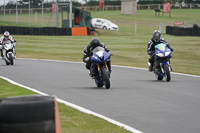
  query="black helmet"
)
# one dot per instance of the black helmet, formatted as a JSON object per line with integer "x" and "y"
{"x": 156, "y": 35}
{"x": 94, "y": 42}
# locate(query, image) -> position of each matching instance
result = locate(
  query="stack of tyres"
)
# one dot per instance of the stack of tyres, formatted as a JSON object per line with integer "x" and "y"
{"x": 59, "y": 31}
{"x": 168, "y": 29}
{"x": 13, "y": 30}
{"x": 46, "y": 30}
{"x": 18, "y": 31}
{"x": 27, "y": 114}
{"x": 53, "y": 31}
{"x": 26, "y": 31}
{"x": 39, "y": 31}
{"x": 188, "y": 32}
{"x": 5, "y": 28}
{"x": 31, "y": 31}
{"x": 1, "y": 30}
{"x": 69, "y": 32}
{"x": 64, "y": 31}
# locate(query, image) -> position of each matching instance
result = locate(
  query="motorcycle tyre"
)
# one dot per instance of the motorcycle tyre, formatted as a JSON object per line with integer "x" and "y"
{"x": 11, "y": 59}
{"x": 106, "y": 78}
{"x": 47, "y": 126}
{"x": 167, "y": 72}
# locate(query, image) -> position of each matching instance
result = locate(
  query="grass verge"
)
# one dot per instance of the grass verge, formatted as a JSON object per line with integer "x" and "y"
{"x": 72, "y": 121}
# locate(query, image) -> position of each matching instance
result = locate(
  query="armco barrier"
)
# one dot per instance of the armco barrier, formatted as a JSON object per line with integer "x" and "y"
{"x": 181, "y": 31}
{"x": 29, "y": 114}
{"x": 38, "y": 30}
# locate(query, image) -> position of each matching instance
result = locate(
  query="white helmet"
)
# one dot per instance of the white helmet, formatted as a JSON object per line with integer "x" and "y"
{"x": 6, "y": 34}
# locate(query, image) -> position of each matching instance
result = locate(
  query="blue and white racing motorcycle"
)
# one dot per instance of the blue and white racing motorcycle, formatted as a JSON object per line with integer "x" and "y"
{"x": 99, "y": 67}
{"x": 162, "y": 66}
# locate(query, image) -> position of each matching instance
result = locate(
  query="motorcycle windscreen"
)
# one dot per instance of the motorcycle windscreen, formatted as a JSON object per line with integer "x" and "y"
{"x": 99, "y": 54}
{"x": 161, "y": 47}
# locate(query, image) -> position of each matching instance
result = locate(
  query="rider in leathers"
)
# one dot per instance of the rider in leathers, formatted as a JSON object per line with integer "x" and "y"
{"x": 87, "y": 53}
{"x": 4, "y": 38}
{"x": 156, "y": 39}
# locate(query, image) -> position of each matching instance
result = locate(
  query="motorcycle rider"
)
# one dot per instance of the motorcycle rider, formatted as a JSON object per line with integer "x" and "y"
{"x": 4, "y": 38}
{"x": 87, "y": 53}
{"x": 156, "y": 39}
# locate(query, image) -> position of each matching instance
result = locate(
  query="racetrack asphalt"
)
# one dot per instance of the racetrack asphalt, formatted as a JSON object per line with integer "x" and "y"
{"x": 135, "y": 98}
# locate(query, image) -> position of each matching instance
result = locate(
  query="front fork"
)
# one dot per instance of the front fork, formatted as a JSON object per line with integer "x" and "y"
{"x": 161, "y": 66}
{"x": 98, "y": 67}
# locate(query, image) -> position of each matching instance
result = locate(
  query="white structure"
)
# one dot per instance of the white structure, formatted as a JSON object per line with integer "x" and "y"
{"x": 129, "y": 7}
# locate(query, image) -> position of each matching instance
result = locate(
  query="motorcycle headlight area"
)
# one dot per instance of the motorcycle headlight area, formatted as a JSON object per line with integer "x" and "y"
{"x": 167, "y": 53}
{"x": 160, "y": 55}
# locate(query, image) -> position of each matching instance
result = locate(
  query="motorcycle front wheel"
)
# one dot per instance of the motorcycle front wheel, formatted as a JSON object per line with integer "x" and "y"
{"x": 11, "y": 59}
{"x": 167, "y": 72}
{"x": 106, "y": 78}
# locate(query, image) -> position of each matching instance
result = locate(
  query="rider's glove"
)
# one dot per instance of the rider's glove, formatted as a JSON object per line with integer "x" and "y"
{"x": 87, "y": 59}
{"x": 152, "y": 52}
{"x": 110, "y": 53}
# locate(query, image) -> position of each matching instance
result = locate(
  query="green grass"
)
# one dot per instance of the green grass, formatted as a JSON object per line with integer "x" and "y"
{"x": 129, "y": 49}
{"x": 72, "y": 121}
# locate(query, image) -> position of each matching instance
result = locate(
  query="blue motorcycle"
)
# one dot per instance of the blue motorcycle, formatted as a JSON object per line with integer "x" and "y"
{"x": 162, "y": 66}
{"x": 99, "y": 67}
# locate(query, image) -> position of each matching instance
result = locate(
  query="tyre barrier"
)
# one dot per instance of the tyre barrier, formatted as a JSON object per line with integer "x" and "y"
{"x": 14, "y": 30}
{"x": 181, "y": 31}
{"x": 29, "y": 114}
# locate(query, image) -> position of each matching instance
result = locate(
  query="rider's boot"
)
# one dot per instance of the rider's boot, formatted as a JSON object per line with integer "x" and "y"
{"x": 2, "y": 55}
{"x": 150, "y": 68}
{"x": 14, "y": 53}
{"x": 90, "y": 74}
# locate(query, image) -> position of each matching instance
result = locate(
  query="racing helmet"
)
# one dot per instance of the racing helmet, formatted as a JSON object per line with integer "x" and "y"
{"x": 6, "y": 34}
{"x": 94, "y": 42}
{"x": 156, "y": 35}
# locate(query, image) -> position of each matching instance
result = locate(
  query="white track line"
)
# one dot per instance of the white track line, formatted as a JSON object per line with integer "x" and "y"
{"x": 77, "y": 107}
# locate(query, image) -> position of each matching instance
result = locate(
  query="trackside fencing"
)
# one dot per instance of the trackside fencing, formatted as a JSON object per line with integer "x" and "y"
{"x": 15, "y": 30}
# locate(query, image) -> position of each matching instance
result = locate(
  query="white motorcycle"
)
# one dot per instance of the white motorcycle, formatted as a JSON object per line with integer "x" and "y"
{"x": 8, "y": 50}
